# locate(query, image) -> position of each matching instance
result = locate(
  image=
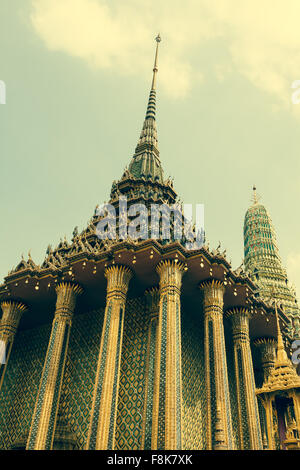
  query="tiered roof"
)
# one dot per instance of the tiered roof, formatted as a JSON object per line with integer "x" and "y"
{"x": 283, "y": 376}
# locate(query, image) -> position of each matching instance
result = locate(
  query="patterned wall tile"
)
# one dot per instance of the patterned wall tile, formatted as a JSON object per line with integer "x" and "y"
{"x": 21, "y": 384}
{"x": 232, "y": 387}
{"x": 193, "y": 382}
{"x": 25, "y": 366}
{"x": 79, "y": 378}
{"x": 132, "y": 376}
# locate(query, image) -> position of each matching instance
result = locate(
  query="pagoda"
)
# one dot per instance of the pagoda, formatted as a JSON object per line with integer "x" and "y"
{"x": 280, "y": 396}
{"x": 130, "y": 343}
{"x": 263, "y": 263}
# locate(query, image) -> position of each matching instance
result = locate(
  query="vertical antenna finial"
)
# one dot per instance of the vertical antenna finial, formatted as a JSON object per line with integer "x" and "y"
{"x": 281, "y": 353}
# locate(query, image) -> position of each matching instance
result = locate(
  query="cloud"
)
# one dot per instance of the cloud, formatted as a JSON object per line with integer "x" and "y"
{"x": 119, "y": 38}
{"x": 261, "y": 39}
{"x": 293, "y": 269}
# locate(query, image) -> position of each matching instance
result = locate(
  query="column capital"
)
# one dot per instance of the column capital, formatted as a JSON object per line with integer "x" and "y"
{"x": 212, "y": 284}
{"x": 66, "y": 299}
{"x": 69, "y": 286}
{"x": 265, "y": 342}
{"x": 13, "y": 306}
{"x": 152, "y": 292}
{"x": 170, "y": 272}
{"x": 238, "y": 311}
{"x": 267, "y": 349}
{"x": 213, "y": 292}
{"x": 118, "y": 277}
{"x": 239, "y": 317}
{"x": 12, "y": 311}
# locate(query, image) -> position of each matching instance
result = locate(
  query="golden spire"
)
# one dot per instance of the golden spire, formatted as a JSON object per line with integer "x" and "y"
{"x": 155, "y": 69}
{"x": 149, "y": 132}
{"x": 282, "y": 376}
{"x": 281, "y": 353}
{"x": 151, "y": 108}
{"x": 145, "y": 161}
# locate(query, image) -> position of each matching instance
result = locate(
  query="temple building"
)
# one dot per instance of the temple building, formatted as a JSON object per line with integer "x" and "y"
{"x": 143, "y": 343}
{"x": 263, "y": 263}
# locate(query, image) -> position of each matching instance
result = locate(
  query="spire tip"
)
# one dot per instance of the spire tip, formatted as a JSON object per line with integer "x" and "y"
{"x": 155, "y": 69}
{"x": 255, "y": 197}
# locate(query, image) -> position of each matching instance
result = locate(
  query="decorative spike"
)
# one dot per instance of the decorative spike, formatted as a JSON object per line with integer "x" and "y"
{"x": 255, "y": 197}
{"x": 281, "y": 352}
{"x": 155, "y": 69}
{"x": 145, "y": 162}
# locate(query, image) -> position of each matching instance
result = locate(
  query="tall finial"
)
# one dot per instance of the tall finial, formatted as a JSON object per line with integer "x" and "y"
{"x": 151, "y": 108}
{"x": 281, "y": 353}
{"x": 155, "y": 69}
{"x": 145, "y": 161}
{"x": 279, "y": 334}
{"x": 255, "y": 197}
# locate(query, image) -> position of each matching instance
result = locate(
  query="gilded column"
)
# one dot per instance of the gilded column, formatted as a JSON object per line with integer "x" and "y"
{"x": 166, "y": 421}
{"x": 219, "y": 425}
{"x": 101, "y": 433}
{"x": 267, "y": 404}
{"x": 267, "y": 348}
{"x": 249, "y": 424}
{"x": 11, "y": 315}
{"x": 45, "y": 412}
{"x": 152, "y": 298}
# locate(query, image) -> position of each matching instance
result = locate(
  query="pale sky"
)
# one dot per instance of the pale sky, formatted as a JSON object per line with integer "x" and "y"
{"x": 77, "y": 74}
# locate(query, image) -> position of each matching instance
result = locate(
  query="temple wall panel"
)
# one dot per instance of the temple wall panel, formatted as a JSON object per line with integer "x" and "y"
{"x": 25, "y": 367}
{"x": 132, "y": 376}
{"x": 193, "y": 382}
{"x": 21, "y": 382}
{"x": 232, "y": 387}
{"x": 79, "y": 378}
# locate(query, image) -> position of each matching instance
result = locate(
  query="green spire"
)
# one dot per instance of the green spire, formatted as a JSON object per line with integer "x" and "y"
{"x": 259, "y": 235}
{"x": 146, "y": 162}
{"x": 262, "y": 259}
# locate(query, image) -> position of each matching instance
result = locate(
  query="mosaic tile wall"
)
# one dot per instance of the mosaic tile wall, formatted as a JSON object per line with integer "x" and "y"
{"x": 21, "y": 383}
{"x": 132, "y": 376}
{"x": 193, "y": 382}
{"x": 79, "y": 378}
{"x": 25, "y": 366}
{"x": 232, "y": 388}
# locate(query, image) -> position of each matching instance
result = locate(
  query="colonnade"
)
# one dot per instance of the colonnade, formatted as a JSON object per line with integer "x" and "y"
{"x": 162, "y": 424}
